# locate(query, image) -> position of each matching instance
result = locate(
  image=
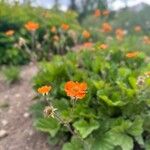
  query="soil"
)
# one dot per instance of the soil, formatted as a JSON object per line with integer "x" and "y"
{"x": 15, "y": 118}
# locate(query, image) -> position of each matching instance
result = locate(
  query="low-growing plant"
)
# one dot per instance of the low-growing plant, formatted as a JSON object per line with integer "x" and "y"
{"x": 11, "y": 74}
{"x": 113, "y": 112}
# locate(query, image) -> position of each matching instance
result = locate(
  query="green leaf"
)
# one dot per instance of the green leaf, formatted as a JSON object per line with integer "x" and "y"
{"x": 119, "y": 134}
{"x": 121, "y": 126}
{"x": 75, "y": 144}
{"x": 132, "y": 82}
{"x": 140, "y": 140}
{"x": 85, "y": 128}
{"x": 49, "y": 125}
{"x": 61, "y": 104}
{"x": 103, "y": 142}
{"x": 147, "y": 144}
{"x": 122, "y": 140}
{"x": 98, "y": 84}
{"x": 147, "y": 122}
{"x": 137, "y": 127}
{"x": 37, "y": 109}
{"x": 109, "y": 102}
{"x": 96, "y": 65}
{"x": 124, "y": 72}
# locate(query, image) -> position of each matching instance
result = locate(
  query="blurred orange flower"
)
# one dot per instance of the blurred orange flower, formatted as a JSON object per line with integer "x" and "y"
{"x": 106, "y": 27}
{"x": 88, "y": 44}
{"x": 106, "y": 12}
{"x": 9, "y": 32}
{"x": 65, "y": 26}
{"x": 103, "y": 46}
{"x": 146, "y": 40}
{"x": 75, "y": 89}
{"x": 120, "y": 33}
{"x": 31, "y": 26}
{"x": 137, "y": 28}
{"x": 147, "y": 73}
{"x": 56, "y": 38}
{"x": 132, "y": 54}
{"x": 86, "y": 34}
{"x": 53, "y": 29}
{"x": 44, "y": 90}
{"x": 97, "y": 13}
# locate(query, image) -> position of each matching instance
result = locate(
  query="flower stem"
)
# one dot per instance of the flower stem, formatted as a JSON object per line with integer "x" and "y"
{"x": 67, "y": 125}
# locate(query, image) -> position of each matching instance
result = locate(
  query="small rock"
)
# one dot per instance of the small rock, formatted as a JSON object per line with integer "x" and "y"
{"x": 18, "y": 104}
{"x": 3, "y": 133}
{"x": 4, "y": 122}
{"x": 17, "y": 95}
{"x": 10, "y": 110}
{"x": 26, "y": 115}
{"x": 31, "y": 132}
{"x": 6, "y": 97}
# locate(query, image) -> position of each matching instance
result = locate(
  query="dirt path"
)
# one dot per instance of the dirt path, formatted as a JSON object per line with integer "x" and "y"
{"x": 15, "y": 118}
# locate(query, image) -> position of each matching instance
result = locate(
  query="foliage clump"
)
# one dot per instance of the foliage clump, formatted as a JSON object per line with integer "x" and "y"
{"x": 115, "y": 111}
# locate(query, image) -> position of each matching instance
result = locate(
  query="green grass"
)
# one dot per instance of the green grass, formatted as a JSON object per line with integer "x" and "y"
{"x": 11, "y": 74}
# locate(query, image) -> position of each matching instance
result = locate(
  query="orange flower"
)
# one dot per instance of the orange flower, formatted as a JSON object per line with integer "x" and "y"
{"x": 75, "y": 89}
{"x": 146, "y": 40}
{"x": 137, "y": 28}
{"x": 147, "y": 73}
{"x": 119, "y": 34}
{"x": 132, "y": 54}
{"x": 56, "y": 38}
{"x": 88, "y": 44}
{"x": 53, "y": 29}
{"x": 31, "y": 26}
{"x": 103, "y": 46}
{"x": 9, "y": 32}
{"x": 106, "y": 12}
{"x": 97, "y": 13}
{"x": 86, "y": 34}
{"x": 44, "y": 89}
{"x": 106, "y": 27}
{"x": 65, "y": 26}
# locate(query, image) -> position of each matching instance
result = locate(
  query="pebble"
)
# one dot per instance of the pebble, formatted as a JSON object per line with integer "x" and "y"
{"x": 4, "y": 122}
{"x": 6, "y": 97}
{"x": 31, "y": 132}
{"x": 3, "y": 133}
{"x": 26, "y": 115}
{"x": 17, "y": 95}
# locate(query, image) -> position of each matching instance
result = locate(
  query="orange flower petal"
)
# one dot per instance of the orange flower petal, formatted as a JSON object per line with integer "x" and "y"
{"x": 44, "y": 89}
{"x": 75, "y": 89}
{"x": 31, "y": 26}
{"x": 9, "y": 32}
{"x": 119, "y": 34}
{"x": 97, "y": 13}
{"x": 137, "y": 28}
{"x": 86, "y": 34}
{"x": 65, "y": 26}
{"x": 132, "y": 54}
{"x": 106, "y": 27}
{"x": 88, "y": 44}
{"x": 103, "y": 46}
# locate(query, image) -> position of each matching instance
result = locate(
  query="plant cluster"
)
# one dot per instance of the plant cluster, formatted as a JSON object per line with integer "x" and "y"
{"x": 95, "y": 98}
{"x": 113, "y": 110}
